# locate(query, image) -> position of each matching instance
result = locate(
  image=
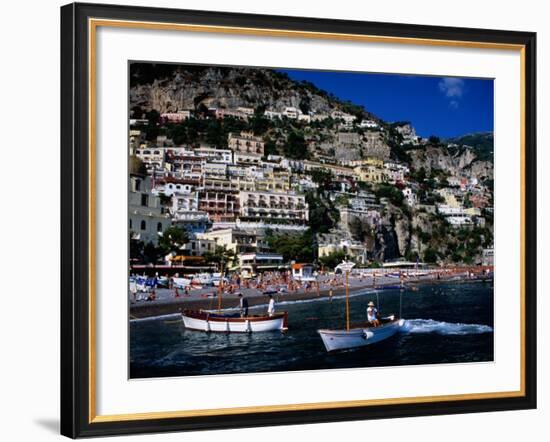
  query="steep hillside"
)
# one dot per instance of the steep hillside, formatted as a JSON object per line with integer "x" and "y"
{"x": 482, "y": 144}
{"x": 168, "y": 88}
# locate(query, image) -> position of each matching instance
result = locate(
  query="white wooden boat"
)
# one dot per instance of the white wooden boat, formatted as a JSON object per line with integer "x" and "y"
{"x": 354, "y": 336}
{"x": 361, "y": 335}
{"x": 181, "y": 282}
{"x": 202, "y": 279}
{"x": 226, "y": 323}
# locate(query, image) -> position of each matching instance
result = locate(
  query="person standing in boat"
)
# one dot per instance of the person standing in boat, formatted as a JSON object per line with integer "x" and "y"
{"x": 271, "y": 306}
{"x": 243, "y": 304}
{"x": 372, "y": 315}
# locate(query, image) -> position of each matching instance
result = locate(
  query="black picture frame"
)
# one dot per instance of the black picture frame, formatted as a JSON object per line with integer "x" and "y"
{"x": 75, "y": 220}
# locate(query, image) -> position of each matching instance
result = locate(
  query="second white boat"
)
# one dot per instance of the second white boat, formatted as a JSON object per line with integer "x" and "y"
{"x": 360, "y": 336}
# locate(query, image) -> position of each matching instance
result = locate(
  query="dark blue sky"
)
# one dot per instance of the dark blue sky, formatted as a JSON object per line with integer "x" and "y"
{"x": 441, "y": 106}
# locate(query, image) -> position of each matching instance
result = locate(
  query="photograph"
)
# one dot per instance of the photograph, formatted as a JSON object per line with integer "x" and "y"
{"x": 287, "y": 220}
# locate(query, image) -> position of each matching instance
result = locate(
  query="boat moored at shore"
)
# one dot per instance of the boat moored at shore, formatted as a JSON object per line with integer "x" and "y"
{"x": 206, "y": 321}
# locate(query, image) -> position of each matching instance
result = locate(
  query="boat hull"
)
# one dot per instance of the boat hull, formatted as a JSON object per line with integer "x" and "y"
{"x": 335, "y": 340}
{"x": 203, "y": 321}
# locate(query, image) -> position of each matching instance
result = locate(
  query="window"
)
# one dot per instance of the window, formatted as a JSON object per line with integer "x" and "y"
{"x": 143, "y": 225}
{"x": 159, "y": 227}
{"x": 144, "y": 199}
{"x": 138, "y": 185}
{"x": 130, "y": 223}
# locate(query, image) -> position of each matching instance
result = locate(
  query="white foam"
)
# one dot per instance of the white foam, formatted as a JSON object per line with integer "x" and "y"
{"x": 443, "y": 328}
{"x": 156, "y": 318}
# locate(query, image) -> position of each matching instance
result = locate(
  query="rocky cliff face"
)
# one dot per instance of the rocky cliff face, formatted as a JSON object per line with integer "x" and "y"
{"x": 393, "y": 237}
{"x": 463, "y": 163}
{"x": 227, "y": 88}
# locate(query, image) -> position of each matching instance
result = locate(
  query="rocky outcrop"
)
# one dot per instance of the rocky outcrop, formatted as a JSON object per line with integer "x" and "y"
{"x": 482, "y": 170}
{"x": 374, "y": 145}
{"x": 463, "y": 163}
{"x": 385, "y": 244}
{"x": 394, "y": 234}
{"x": 187, "y": 88}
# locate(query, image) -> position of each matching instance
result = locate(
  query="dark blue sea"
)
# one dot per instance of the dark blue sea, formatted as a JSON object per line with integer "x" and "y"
{"x": 445, "y": 323}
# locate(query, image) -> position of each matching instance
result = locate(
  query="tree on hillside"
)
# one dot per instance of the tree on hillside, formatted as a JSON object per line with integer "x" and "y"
{"x": 305, "y": 105}
{"x": 259, "y": 124}
{"x": 332, "y": 260}
{"x": 221, "y": 257}
{"x": 322, "y": 177}
{"x": 322, "y": 214}
{"x": 391, "y": 193}
{"x": 295, "y": 146}
{"x": 151, "y": 253}
{"x": 172, "y": 239}
{"x": 136, "y": 249}
{"x": 299, "y": 248}
{"x": 270, "y": 147}
{"x": 430, "y": 256}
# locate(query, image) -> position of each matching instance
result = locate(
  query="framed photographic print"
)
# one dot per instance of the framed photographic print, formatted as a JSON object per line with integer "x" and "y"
{"x": 275, "y": 220}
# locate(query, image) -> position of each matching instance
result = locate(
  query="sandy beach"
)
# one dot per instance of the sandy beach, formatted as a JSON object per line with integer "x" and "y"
{"x": 168, "y": 301}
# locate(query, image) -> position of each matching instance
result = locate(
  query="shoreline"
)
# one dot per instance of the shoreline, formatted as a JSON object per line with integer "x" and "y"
{"x": 171, "y": 305}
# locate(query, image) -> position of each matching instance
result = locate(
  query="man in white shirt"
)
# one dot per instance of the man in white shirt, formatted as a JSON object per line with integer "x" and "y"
{"x": 271, "y": 306}
{"x": 372, "y": 315}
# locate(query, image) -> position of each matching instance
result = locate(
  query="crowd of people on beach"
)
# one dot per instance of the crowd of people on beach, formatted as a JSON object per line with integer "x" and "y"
{"x": 143, "y": 288}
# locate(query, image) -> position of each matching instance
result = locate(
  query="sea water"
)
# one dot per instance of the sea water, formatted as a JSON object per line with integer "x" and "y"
{"x": 445, "y": 323}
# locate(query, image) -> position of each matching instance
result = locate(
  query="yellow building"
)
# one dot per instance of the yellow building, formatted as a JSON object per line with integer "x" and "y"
{"x": 371, "y": 174}
{"x": 448, "y": 196}
{"x": 472, "y": 211}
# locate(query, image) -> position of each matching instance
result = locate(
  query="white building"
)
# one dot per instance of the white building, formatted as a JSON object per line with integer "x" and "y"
{"x": 215, "y": 155}
{"x": 183, "y": 202}
{"x": 152, "y": 157}
{"x": 216, "y": 169}
{"x": 353, "y": 249}
{"x": 408, "y": 133}
{"x": 236, "y": 240}
{"x": 272, "y": 115}
{"x": 246, "y": 110}
{"x": 319, "y": 117}
{"x": 368, "y": 124}
{"x": 198, "y": 247}
{"x": 347, "y": 118}
{"x": 170, "y": 188}
{"x": 447, "y": 210}
{"x": 146, "y": 217}
{"x": 410, "y": 196}
{"x": 253, "y": 263}
{"x": 459, "y": 221}
{"x": 247, "y": 158}
{"x": 176, "y": 117}
{"x": 234, "y": 113}
{"x": 488, "y": 257}
{"x": 273, "y": 207}
{"x": 292, "y": 112}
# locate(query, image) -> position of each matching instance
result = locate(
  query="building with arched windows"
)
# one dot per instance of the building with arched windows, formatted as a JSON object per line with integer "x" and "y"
{"x": 146, "y": 217}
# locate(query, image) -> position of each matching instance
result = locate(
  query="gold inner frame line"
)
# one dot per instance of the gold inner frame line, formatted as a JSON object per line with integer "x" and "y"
{"x": 93, "y": 24}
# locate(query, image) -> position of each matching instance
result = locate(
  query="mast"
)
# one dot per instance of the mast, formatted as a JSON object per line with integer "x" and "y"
{"x": 220, "y": 288}
{"x": 347, "y": 302}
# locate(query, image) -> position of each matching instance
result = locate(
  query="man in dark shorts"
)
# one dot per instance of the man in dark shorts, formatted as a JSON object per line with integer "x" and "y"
{"x": 243, "y": 304}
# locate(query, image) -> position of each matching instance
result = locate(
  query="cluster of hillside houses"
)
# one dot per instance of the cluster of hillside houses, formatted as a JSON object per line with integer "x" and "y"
{"x": 231, "y": 197}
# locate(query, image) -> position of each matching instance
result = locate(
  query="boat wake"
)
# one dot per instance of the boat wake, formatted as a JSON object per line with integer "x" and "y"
{"x": 443, "y": 328}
